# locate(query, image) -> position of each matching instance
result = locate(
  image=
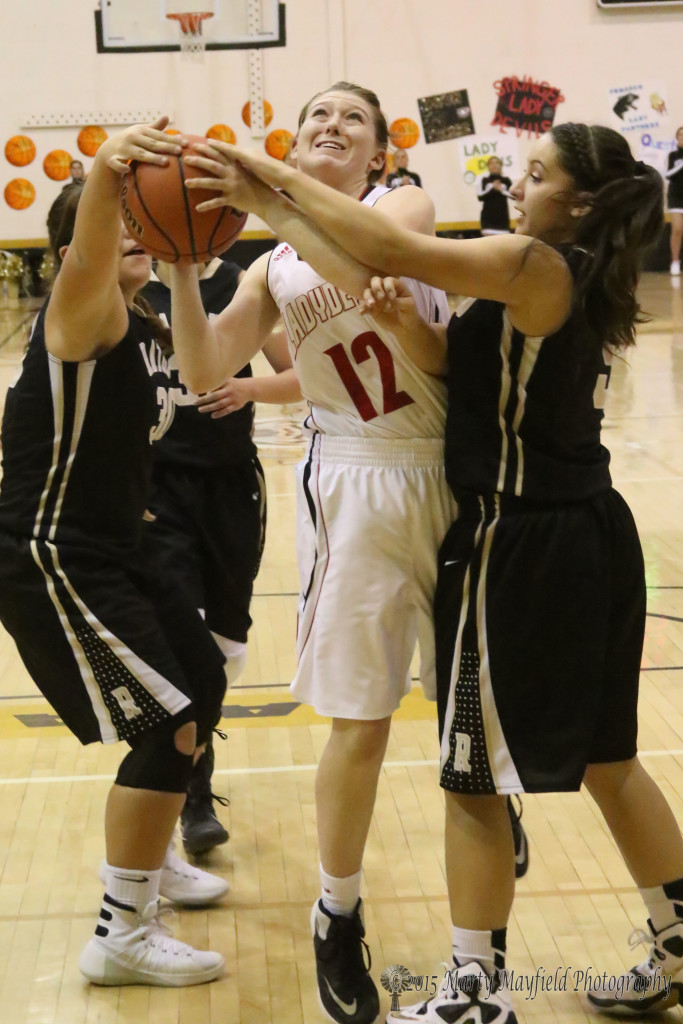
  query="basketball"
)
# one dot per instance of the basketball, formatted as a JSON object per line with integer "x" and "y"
{"x": 56, "y": 164}
{"x": 267, "y": 113}
{"x": 19, "y": 193}
{"x": 20, "y": 150}
{"x": 90, "y": 139}
{"x": 161, "y": 212}
{"x": 278, "y": 143}
{"x": 223, "y": 133}
{"x": 404, "y": 132}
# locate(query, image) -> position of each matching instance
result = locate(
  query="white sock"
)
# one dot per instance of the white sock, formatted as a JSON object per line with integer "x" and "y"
{"x": 487, "y": 948}
{"x": 132, "y": 887}
{"x": 340, "y": 895}
{"x": 664, "y": 910}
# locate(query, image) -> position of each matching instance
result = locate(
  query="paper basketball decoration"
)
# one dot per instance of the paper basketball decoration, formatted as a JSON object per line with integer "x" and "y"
{"x": 90, "y": 139}
{"x": 278, "y": 143}
{"x": 56, "y": 164}
{"x": 404, "y": 132}
{"x": 20, "y": 150}
{"x": 223, "y": 133}
{"x": 267, "y": 113}
{"x": 19, "y": 193}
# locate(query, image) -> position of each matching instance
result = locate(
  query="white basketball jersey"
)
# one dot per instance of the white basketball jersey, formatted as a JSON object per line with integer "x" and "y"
{"x": 353, "y": 373}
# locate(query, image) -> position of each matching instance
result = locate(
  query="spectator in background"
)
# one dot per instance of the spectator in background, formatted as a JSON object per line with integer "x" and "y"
{"x": 493, "y": 191}
{"x": 400, "y": 174}
{"x": 674, "y": 201}
{"x": 76, "y": 171}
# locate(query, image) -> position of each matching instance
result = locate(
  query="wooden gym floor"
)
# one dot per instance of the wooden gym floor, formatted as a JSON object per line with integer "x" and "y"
{"x": 575, "y": 909}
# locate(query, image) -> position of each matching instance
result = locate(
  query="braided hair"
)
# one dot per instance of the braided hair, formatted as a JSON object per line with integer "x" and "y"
{"x": 624, "y": 216}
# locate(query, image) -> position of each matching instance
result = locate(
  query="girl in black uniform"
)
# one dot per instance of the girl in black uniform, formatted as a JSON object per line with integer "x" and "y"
{"x": 206, "y": 531}
{"x": 493, "y": 192}
{"x": 674, "y": 202}
{"x": 92, "y": 393}
{"x": 540, "y": 605}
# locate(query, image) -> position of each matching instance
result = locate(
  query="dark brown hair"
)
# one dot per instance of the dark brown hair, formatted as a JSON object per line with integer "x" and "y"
{"x": 61, "y": 220}
{"x": 624, "y": 217}
{"x": 379, "y": 120}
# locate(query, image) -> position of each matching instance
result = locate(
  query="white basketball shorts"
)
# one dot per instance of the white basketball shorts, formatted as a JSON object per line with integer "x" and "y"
{"x": 371, "y": 515}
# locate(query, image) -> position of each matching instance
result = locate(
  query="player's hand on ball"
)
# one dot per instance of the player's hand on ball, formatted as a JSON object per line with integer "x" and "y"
{"x": 237, "y": 186}
{"x": 272, "y": 172}
{"x": 147, "y": 143}
{"x": 229, "y": 397}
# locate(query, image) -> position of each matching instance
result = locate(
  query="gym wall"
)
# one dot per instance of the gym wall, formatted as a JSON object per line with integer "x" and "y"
{"x": 404, "y": 49}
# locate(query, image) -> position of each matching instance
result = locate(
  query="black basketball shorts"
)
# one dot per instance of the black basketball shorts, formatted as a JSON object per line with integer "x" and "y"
{"x": 93, "y": 642}
{"x": 207, "y": 538}
{"x": 540, "y": 620}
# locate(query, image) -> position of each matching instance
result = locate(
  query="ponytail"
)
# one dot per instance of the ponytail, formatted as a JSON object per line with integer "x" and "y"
{"x": 624, "y": 217}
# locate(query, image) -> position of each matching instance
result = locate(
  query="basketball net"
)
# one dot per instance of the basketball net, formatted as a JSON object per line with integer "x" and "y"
{"x": 192, "y": 43}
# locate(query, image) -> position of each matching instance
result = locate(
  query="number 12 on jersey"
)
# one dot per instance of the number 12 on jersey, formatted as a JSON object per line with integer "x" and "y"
{"x": 360, "y": 350}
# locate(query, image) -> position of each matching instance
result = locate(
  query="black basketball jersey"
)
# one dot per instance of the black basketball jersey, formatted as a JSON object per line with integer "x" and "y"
{"x": 674, "y": 196}
{"x": 524, "y": 413}
{"x": 194, "y": 438}
{"x": 76, "y": 450}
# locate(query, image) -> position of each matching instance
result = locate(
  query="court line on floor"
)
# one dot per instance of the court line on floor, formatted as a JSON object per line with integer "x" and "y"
{"x": 273, "y": 770}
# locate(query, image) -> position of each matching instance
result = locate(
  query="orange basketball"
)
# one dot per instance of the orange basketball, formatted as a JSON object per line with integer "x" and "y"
{"x": 223, "y": 133}
{"x": 20, "y": 150}
{"x": 56, "y": 164}
{"x": 19, "y": 193}
{"x": 161, "y": 212}
{"x": 404, "y": 132}
{"x": 91, "y": 138}
{"x": 278, "y": 143}
{"x": 172, "y": 131}
{"x": 267, "y": 113}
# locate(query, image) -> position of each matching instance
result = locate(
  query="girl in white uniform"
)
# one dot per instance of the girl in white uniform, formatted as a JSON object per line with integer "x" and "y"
{"x": 373, "y": 501}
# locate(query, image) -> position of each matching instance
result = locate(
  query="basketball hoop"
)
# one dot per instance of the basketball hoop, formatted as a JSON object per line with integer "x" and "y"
{"x": 192, "y": 42}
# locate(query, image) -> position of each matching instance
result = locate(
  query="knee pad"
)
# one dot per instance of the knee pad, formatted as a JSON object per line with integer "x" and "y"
{"x": 155, "y": 762}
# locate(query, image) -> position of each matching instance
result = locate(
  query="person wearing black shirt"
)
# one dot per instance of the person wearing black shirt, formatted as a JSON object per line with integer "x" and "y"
{"x": 493, "y": 192}
{"x": 674, "y": 198}
{"x": 401, "y": 175}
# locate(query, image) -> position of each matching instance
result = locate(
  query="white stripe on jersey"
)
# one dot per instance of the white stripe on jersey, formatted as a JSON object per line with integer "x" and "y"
{"x": 107, "y": 729}
{"x": 84, "y": 375}
{"x": 502, "y": 766}
{"x": 163, "y": 692}
{"x": 532, "y": 348}
{"x": 355, "y": 375}
{"x": 505, "y": 342}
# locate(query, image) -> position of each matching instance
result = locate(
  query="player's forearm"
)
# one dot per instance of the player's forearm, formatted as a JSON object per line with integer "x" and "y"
{"x": 195, "y": 343}
{"x": 276, "y": 389}
{"x": 425, "y": 344}
{"x": 315, "y": 246}
{"x": 364, "y": 233}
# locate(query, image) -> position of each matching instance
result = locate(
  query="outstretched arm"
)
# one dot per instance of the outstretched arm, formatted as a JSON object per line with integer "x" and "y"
{"x": 87, "y": 311}
{"x": 208, "y": 352}
{"x": 278, "y": 388}
{"x": 527, "y": 276}
{"x": 241, "y": 189}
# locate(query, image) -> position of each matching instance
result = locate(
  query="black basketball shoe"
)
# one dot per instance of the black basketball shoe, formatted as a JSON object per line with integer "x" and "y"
{"x": 347, "y": 992}
{"x": 520, "y": 839}
{"x": 199, "y": 824}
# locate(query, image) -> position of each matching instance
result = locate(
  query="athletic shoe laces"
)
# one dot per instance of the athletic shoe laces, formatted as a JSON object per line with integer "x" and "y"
{"x": 345, "y": 942}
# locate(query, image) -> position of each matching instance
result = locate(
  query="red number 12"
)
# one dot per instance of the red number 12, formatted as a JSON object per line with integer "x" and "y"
{"x": 360, "y": 350}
